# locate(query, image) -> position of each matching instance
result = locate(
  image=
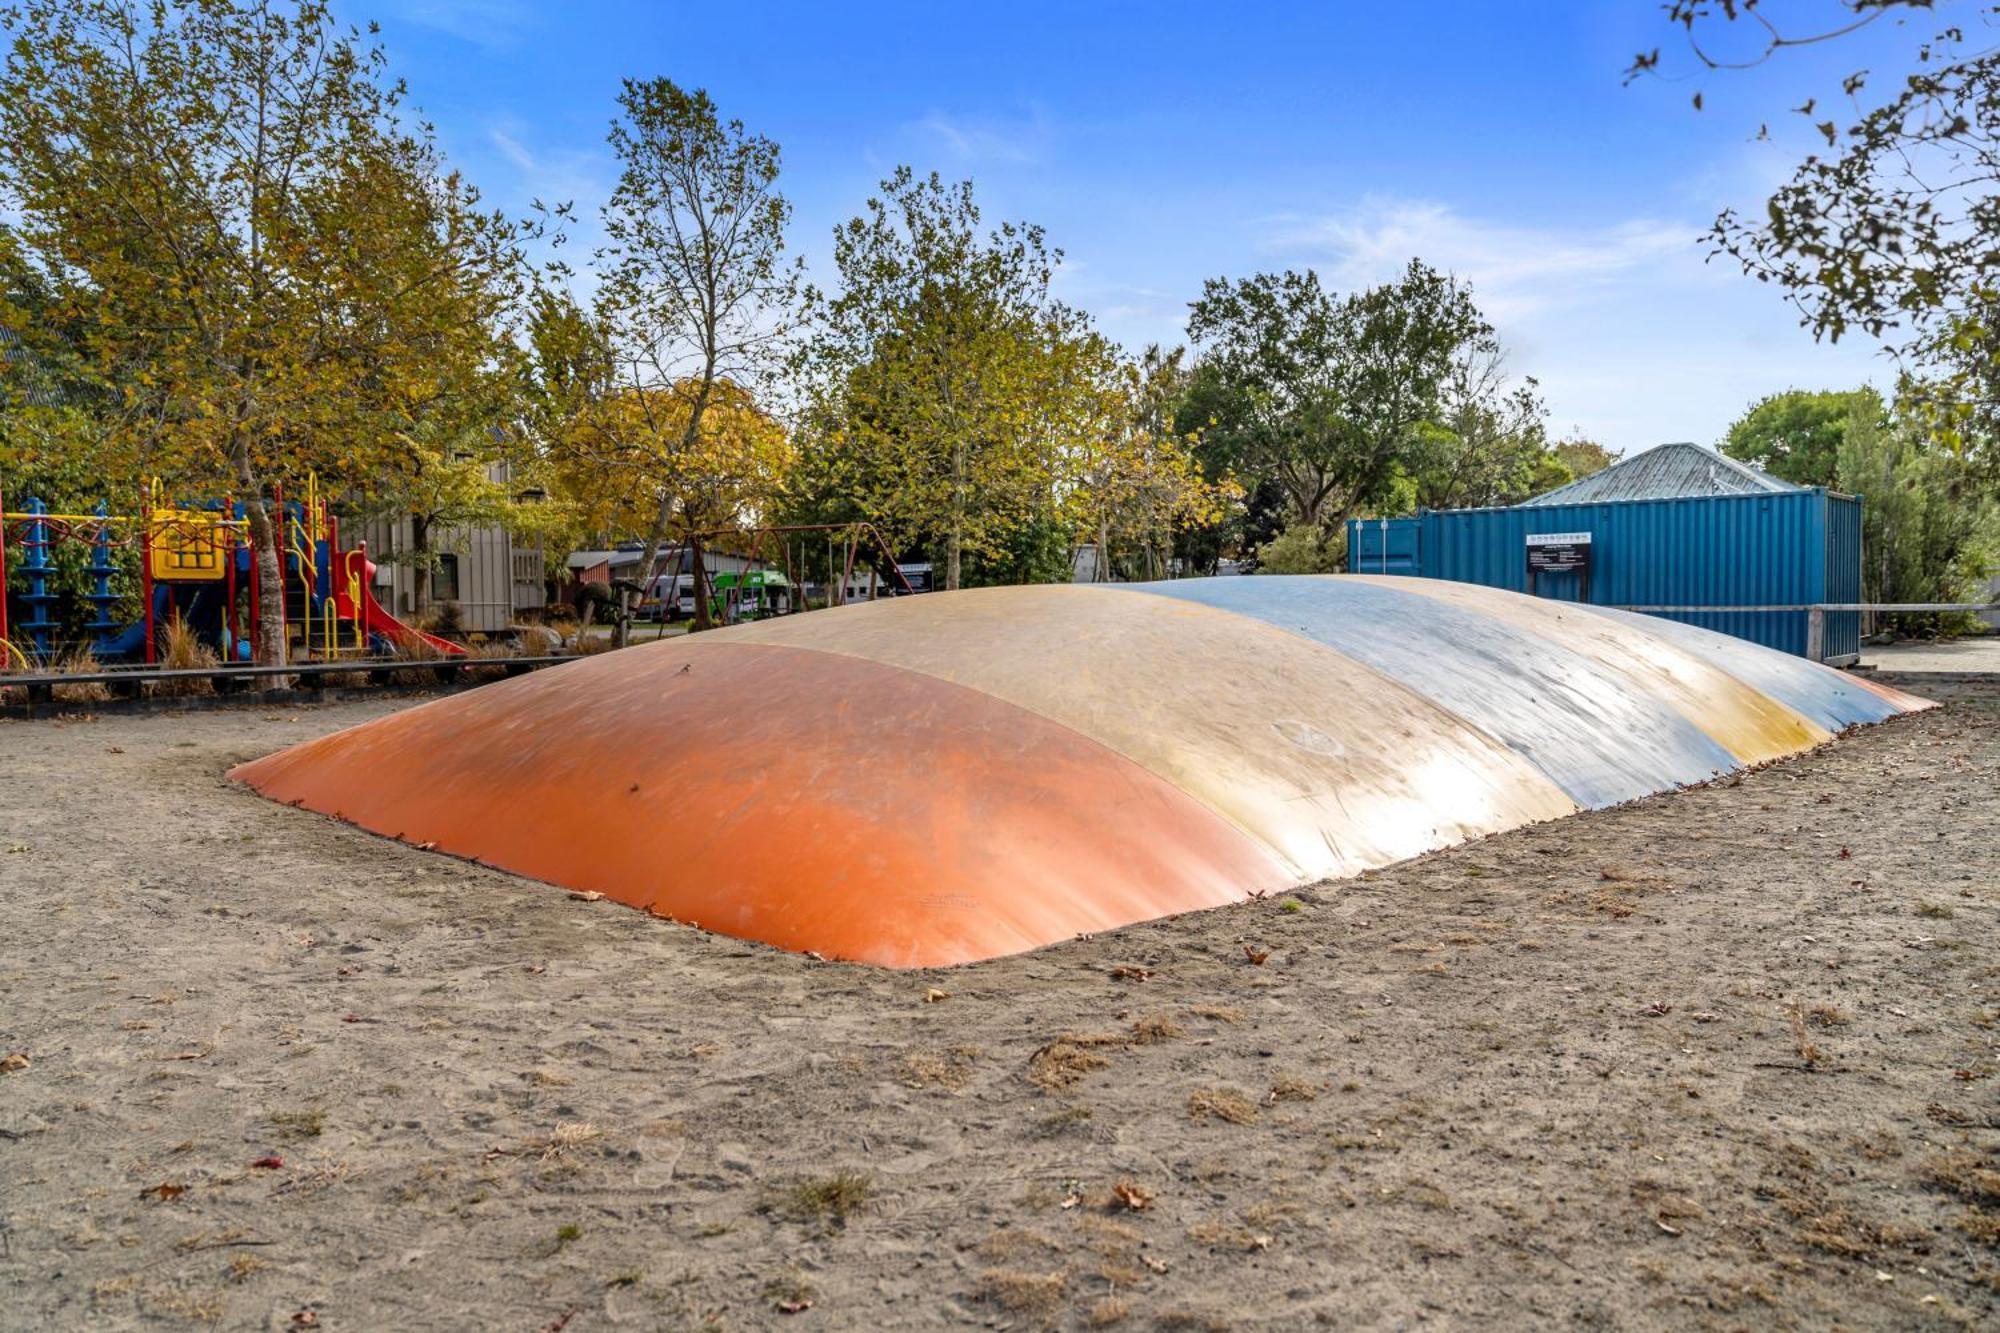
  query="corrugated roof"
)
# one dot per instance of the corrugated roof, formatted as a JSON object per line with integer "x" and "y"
{"x": 37, "y": 387}
{"x": 1667, "y": 472}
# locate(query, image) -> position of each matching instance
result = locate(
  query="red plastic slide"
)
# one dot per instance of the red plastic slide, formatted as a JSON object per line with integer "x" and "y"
{"x": 375, "y": 620}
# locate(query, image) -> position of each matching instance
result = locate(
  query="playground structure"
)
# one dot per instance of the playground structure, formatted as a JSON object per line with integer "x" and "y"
{"x": 927, "y": 781}
{"x": 195, "y": 565}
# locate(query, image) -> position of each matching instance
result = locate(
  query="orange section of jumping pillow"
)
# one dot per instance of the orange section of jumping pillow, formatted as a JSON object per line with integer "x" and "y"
{"x": 813, "y": 801}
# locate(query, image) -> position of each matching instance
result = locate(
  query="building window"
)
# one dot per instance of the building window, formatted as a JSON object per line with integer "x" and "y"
{"x": 444, "y": 579}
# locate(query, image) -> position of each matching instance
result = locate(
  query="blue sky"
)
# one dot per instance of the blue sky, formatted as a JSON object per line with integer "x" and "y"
{"x": 1164, "y": 143}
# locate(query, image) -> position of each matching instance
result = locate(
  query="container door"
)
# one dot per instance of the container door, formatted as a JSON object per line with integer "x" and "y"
{"x": 1383, "y": 546}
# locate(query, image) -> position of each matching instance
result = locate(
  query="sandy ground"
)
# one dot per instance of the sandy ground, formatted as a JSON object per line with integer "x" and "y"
{"x": 1722, "y": 1059}
{"x": 1980, "y": 655}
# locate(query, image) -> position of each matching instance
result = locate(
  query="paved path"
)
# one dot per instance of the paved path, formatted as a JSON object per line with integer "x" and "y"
{"x": 1961, "y": 655}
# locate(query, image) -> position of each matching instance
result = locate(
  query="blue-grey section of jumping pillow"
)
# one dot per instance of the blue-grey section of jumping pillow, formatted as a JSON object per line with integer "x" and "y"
{"x": 1596, "y": 737}
{"x": 1820, "y": 693}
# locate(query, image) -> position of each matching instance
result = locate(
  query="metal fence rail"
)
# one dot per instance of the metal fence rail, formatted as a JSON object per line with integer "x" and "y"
{"x": 131, "y": 682}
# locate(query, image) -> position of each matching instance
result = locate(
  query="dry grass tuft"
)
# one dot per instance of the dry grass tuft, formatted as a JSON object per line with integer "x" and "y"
{"x": 1062, "y": 1121}
{"x": 184, "y": 651}
{"x": 950, "y": 1070}
{"x": 414, "y": 648}
{"x": 1131, "y": 1196}
{"x": 1291, "y": 1088}
{"x": 1066, "y": 1059}
{"x": 1982, "y": 1226}
{"x": 1156, "y": 1028}
{"x": 1835, "y": 1231}
{"x": 307, "y": 1122}
{"x": 790, "y": 1293}
{"x": 1228, "y": 1236}
{"x": 1039, "y": 1294}
{"x": 1801, "y": 1042}
{"x": 1221, "y": 1104}
{"x": 322, "y": 1172}
{"x": 566, "y": 1138}
{"x": 1189, "y": 1321}
{"x": 1108, "y": 1311}
{"x": 79, "y": 662}
{"x": 1108, "y": 1236}
{"x": 1974, "y": 1177}
{"x": 196, "y": 1307}
{"x": 828, "y": 1199}
{"x": 1015, "y": 1243}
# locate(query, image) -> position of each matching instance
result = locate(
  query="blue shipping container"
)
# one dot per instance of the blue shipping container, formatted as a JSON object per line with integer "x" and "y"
{"x": 1792, "y": 549}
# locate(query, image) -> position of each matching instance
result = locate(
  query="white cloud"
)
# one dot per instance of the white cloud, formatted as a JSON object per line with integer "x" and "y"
{"x": 517, "y": 166}
{"x": 511, "y": 149}
{"x": 1635, "y": 337}
{"x": 487, "y": 23}
{"x": 1516, "y": 271}
{"x": 966, "y": 140}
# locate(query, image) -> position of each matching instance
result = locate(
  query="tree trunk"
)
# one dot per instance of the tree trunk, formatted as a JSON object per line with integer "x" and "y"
{"x": 662, "y": 524}
{"x": 955, "y": 538}
{"x": 420, "y": 545}
{"x": 702, "y": 617}
{"x": 271, "y": 647}
{"x": 621, "y": 633}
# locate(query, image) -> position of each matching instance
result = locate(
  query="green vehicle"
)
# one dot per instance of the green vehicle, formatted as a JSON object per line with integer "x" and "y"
{"x": 751, "y": 595}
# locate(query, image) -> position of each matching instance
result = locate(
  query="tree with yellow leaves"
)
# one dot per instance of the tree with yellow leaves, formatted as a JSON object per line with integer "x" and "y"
{"x": 1135, "y": 481}
{"x": 696, "y": 295}
{"x": 259, "y": 268}
{"x": 626, "y": 462}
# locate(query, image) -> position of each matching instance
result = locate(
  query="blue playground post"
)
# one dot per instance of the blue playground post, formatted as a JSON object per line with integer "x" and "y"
{"x": 35, "y": 562}
{"x": 100, "y": 597}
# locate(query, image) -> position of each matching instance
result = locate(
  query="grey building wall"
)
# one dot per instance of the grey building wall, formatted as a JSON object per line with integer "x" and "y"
{"x": 497, "y": 579}
{"x": 493, "y": 578}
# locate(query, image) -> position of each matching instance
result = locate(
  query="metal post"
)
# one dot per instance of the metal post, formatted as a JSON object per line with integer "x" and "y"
{"x": 3, "y": 576}
{"x": 1816, "y": 634}
{"x": 146, "y": 569}
{"x": 35, "y": 560}
{"x": 281, "y": 541}
{"x": 101, "y": 569}
{"x": 229, "y": 582}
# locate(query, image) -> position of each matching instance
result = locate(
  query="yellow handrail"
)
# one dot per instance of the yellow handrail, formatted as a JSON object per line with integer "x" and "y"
{"x": 354, "y": 601}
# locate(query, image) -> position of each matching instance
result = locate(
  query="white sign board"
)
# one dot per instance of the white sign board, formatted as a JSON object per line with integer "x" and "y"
{"x": 1558, "y": 539}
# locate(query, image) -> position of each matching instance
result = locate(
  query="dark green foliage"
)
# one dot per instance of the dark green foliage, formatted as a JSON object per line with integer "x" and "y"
{"x": 1796, "y": 435}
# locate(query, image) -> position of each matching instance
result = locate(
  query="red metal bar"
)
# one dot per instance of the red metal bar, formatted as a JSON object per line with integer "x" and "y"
{"x": 3, "y": 571}
{"x": 229, "y": 581}
{"x": 281, "y": 542}
{"x": 889, "y": 555}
